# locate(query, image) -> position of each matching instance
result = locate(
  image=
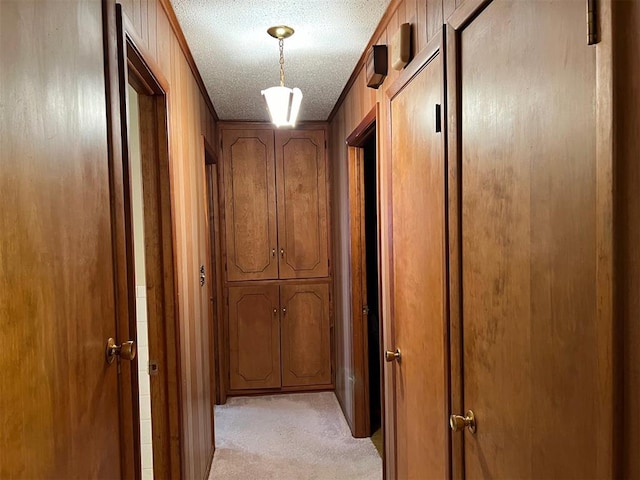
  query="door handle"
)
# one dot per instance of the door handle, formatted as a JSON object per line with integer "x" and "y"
{"x": 282, "y": 253}
{"x": 390, "y": 356}
{"x": 458, "y": 422}
{"x": 273, "y": 252}
{"x": 127, "y": 350}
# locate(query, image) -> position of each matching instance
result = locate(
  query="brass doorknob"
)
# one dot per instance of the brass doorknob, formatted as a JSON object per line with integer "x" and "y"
{"x": 458, "y": 422}
{"x": 390, "y": 356}
{"x": 126, "y": 351}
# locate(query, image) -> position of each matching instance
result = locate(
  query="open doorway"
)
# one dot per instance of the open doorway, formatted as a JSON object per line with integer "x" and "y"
{"x": 149, "y": 255}
{"x": 371, "y": 279}
{"x": 365, "y": 280}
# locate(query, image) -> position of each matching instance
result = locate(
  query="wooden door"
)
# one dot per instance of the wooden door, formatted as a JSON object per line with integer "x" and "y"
{"x": 306, "y": 348}
{"x": 536, "y": 370}
{"x": 418, "y": 276}
{"x": 59, "y": 401}
{"x": 250, "y": 204}
{"x": 302, "y": 203}
{"x": 254, "y": 337}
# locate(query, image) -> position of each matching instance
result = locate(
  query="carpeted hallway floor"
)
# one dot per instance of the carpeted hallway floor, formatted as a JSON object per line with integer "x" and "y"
{"x": 289, "y": 437}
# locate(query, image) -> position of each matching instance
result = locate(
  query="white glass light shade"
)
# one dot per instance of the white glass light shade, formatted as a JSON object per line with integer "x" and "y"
{"x": 283, "y": 104}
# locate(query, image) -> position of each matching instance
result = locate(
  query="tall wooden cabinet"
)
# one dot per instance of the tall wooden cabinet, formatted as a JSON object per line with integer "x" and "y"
{"x": 277, "y": 258}
{"x": 276, "y": 204}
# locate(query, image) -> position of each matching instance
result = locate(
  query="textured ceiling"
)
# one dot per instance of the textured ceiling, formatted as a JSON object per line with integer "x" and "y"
{"x": 237, "y": 58}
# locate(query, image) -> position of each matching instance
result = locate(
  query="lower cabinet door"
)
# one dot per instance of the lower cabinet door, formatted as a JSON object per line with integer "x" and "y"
{"x": 306, "y": 357}
{"x": 254, "y": 337}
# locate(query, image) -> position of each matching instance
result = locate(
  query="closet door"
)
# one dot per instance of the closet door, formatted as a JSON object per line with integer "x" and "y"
{"x": 254, "y": 337}
{"x": 536, "y": 351}
{"x": 302, "y": 203}
{"x": 250, "y": 204}
{"x": 306, "y": 348}
{"x": 418, "y": 275}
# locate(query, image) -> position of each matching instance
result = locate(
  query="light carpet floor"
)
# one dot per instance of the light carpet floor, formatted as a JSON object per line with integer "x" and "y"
{"x": 290, "y": 437}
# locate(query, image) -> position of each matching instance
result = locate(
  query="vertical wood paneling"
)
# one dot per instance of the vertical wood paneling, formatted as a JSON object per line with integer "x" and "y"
{"x": 189, "y": 118}
{"x": 448, "y": 7}
{"x": 421, "y": 24}
{"x": 434, "y": 19}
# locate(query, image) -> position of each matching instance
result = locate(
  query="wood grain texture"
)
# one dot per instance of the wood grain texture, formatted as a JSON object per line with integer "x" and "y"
{"x": 529, "y": 245}
{"x": 305, "y": 342}
{"x": 189, "y": 118}
{"x": 418, "y": 269}
{"x": 626, "y": 48}
{"x": 302, "y": 203}
{"x": 59, "y": 413}
{"x": 250, "y": 203}
{"x": 355, "y": 102}
{"x": 254, "y": 337}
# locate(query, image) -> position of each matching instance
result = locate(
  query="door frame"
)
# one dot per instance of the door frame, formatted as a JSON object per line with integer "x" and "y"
{"x": 134, "y": 65}
{"x": 216, "y": 220}
{"x": 360, "y": 352}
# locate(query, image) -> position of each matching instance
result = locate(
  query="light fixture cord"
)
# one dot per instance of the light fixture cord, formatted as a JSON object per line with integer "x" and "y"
{"x": 281, "y": 44}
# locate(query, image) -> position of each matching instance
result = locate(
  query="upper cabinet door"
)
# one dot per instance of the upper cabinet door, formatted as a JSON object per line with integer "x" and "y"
{"x": 302, "y": 203}
{"x": 250, "y": 218}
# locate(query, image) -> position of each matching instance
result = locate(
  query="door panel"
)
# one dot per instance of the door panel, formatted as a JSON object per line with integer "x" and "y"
{"x": 254, "y": 337}
{"x": 529, "y": 248}
{"x": 250, "y": 204}
{"x": 59, "y": 414}
{"x": 418, "y": 276}
{"x": 302, "y": 203}
{"x": 306, "y": 349}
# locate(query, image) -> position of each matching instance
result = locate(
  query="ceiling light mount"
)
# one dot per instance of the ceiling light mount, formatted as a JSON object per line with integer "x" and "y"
{"x": 280, "y": 31}
{"x": 283, "y": 103}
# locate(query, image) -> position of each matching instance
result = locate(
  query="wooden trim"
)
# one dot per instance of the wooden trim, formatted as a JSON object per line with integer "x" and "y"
{"x": 421, "y": 60}
{"x": 360, "y": 426}
{"x": 219, "y": 366}
{"x": 329, "y": 387}
{"x": 250, "y": 125}
{"x": 287, "y": 281}
{"x": 358, "y": 340}
{"x": 128, "y": 401}
{"x": 184, "y": 46}
{"x": 466, "y": 12}
{"x": 160, "y": 260}
{"x": 362, "y": 61}
{"x": 610, "y": 400}
{"x": 454, "y": 228}
{"x": 363, "y": 130}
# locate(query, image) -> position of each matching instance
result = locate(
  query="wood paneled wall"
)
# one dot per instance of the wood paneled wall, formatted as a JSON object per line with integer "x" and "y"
{"x": 626, "y": 55}
{"x": 426, "y": 18}
{"x": 189, "y": 118}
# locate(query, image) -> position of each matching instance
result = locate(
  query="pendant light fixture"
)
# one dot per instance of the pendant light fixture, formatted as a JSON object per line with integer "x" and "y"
{"x": 283, "y": 102}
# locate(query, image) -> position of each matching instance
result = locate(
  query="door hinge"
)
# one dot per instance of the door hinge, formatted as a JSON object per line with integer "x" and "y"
{"x": 438, "y": 119}
{"x": 592, "y": 25}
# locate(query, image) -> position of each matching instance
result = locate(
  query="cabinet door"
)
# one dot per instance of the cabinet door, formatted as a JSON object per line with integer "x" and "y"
{"x": 306, "y": 358}
{"x": 302, "y": 204}
{"x": 250, "y": 219}
{"x": 254, "y": 337}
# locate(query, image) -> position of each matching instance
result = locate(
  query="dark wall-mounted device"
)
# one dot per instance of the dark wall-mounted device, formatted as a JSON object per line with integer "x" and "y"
{"x": 376, "y": 66}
